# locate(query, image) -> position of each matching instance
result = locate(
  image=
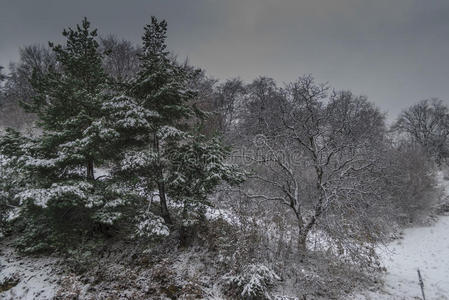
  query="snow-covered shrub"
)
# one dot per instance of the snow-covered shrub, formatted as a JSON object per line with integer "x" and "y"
{"x": 85, "y": 256}
{"x": 150, "y": 225}
{"x": 411, "y": 182}
{"x": 254, "y": 281}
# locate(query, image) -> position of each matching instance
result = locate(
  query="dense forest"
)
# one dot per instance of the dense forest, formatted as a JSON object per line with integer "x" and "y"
{"x": 149, "y": 179}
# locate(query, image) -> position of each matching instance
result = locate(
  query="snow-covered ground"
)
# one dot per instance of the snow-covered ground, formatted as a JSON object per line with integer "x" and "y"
{"x": 426, "y": 248}
{"x": 34, "y": 278}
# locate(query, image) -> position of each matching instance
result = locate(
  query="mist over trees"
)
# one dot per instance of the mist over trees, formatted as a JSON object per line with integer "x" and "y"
{"x": 133, "y": 146}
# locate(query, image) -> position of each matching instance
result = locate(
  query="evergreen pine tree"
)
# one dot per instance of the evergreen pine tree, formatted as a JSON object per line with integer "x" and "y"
{"x": 157, "y": 143}
{"x": 62, "y": 199}
{"x": 68, "y": 101}
{"x": 146, "y": 127}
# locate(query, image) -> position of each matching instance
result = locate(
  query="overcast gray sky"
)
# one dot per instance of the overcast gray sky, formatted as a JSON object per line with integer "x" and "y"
{"x": 393, "y": 51}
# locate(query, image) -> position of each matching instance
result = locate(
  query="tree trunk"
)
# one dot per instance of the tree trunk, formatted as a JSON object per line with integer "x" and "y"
{"x": 90, "y": 170}
{"x": 302, "y": 242}
{"x": 161, "y": 186}
{"x": 302, "y": 229}
{"x": 163, "y": 200}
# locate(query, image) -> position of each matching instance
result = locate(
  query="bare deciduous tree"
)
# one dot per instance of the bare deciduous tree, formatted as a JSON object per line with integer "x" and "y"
{"x": 121, "y": 61}
{"x": 262, "y": 106}
{"x": 17, "y": 87}
{"x": 427, "y": 123}
{"x": 33, "y": 58}
{"x": 228, "y": 100}
{"x": 320, "y": 159}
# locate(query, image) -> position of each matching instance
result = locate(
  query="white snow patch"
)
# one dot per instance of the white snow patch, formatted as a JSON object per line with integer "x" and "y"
{"x": 101, "y": 172}
{"x": 425, "y": 248}
{"x": 37, "y": 279}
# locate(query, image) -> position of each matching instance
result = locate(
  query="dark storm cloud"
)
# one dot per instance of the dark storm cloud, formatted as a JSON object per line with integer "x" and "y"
{"x": 395, "y": 52}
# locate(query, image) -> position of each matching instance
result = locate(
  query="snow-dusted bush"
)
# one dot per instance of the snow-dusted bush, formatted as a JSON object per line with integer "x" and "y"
{"x": 254, "y": 281}
{"x": 150, "y": 225}
{"x": 411, "y": 182}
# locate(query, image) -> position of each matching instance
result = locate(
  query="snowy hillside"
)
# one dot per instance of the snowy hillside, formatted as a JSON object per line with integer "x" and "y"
{"x": 143, "y": 177}
{"x": 425, "y": 248}
{"x": 31, "y": 278}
